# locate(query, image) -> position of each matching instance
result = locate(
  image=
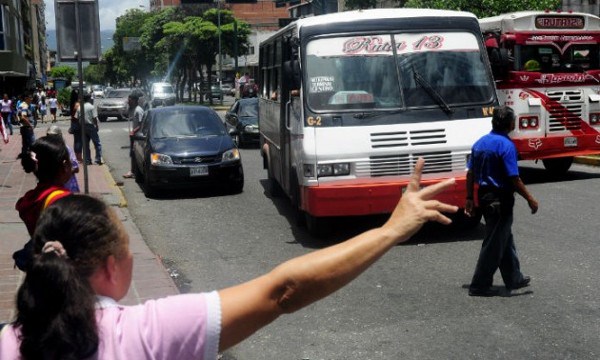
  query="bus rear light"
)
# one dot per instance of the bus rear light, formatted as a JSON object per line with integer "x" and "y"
{"x": 594, "y": 118}
{"x": 528, "y": 122}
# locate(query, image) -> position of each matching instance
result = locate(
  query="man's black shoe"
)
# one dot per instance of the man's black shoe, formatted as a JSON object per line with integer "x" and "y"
{"x": 521, "y": 284}
{"x": 483, "y": 292}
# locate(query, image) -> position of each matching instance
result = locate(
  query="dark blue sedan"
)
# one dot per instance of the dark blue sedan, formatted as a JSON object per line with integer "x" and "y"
{"x": 183, "y": 147}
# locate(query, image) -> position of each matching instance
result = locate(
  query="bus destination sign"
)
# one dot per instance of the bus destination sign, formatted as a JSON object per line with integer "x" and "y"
{"x": 559, "y": 22}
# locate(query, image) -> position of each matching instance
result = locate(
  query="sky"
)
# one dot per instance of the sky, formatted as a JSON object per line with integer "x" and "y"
{"x": 109, "y": 10}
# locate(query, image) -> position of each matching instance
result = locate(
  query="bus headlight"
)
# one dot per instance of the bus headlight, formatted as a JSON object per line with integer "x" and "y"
{"x": 337, "y": 169}
{"x": 594, "y": 118}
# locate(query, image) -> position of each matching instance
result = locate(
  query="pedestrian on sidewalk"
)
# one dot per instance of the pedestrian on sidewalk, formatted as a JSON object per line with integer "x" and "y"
{"x": 49, "y": 160}
{"x": 42, "y": 108}
{"x": 493, "y": 166}
{"x": 6, "y": 110}
{"x": 91, "y": 130}
{"x": 53, "y": 105}
{"x": 3, "y": 130}
{"x": 136, "y": 114}
{"x": 72, "y": 185}
{"x": 26, "y": 128}
{"x": 67, "y": 304}
{"x": 75, "y": 128}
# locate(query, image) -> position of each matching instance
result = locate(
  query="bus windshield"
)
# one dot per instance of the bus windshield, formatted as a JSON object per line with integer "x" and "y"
{"x": 393, "y": 71}
{"x": 549, "y": 58}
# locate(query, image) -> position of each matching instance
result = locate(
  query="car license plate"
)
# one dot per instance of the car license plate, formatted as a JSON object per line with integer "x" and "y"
{"x": 199, "y": 171}
{"x": 570, "y": 141}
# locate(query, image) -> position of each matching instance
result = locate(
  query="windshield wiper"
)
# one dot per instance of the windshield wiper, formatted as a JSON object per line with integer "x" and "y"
{"x": 431, "y": 91}
{"x": 374, "y": 114}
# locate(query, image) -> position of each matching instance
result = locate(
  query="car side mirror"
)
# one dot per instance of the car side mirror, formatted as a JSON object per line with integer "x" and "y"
{"x": 233, "y": 118}
{"x": 138, "y": 135}
{"x": 233, "y": 132}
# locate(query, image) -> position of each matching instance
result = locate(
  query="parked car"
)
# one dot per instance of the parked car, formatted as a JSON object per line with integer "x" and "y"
{"x": 226, "y": 89}
{"x": 215, "y": 92}
{"x": 185, "y": 147}
{"x": 243, "y": 118}
{"x": 115, "y": 104}
{"x": 162, "y": 93}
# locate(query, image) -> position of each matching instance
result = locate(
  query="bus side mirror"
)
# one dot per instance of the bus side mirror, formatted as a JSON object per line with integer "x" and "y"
{"x": 292, "y": 70}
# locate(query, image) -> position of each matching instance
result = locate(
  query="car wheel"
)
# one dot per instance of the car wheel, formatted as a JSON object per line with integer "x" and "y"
{"x": 102, "y": 118}
{"x": 119, "y": 118}
{"x": 149, "y": 189}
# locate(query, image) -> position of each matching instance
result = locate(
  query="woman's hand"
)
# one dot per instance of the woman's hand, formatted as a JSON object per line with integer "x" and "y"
{"x": 416, "y": 206}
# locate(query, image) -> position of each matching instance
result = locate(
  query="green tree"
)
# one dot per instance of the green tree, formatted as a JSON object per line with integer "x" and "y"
{"x": 63, "y": 71}
{"x": 95, "y": 74}
{"x": 485, "y": 8}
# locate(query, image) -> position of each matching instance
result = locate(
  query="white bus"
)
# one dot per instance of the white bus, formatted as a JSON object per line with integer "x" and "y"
{"x": 547, "y": 68}
{"x": 349, "y": 101}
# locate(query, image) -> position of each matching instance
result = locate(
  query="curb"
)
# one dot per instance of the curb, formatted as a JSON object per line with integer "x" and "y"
{"x": 122, "y": 203}
{"x": 587, "y": 160}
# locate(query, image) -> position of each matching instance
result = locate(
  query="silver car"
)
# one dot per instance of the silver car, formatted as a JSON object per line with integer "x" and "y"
{"x": 115, "y": 104}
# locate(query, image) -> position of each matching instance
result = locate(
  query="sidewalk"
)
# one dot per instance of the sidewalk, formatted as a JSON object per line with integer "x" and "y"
{"x": 150, "y": 278}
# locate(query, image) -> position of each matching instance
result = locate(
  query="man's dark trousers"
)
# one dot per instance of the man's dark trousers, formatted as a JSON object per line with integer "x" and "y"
{"x": 498, "y": 247}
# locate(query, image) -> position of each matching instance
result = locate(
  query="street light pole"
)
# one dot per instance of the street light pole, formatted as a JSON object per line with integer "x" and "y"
{"x": 220, "y": 56}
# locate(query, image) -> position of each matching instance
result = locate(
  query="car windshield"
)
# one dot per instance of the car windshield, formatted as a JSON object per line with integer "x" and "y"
{"x": 118, "y": 94}
{"x": 163, "y": 89}
{"x": 391, "y": 71}
{"x": 249, "y": 109}
{"x": 185, "y": 123}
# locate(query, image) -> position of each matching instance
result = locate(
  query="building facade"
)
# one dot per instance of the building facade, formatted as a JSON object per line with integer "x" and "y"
{"x": 22, "y": 45}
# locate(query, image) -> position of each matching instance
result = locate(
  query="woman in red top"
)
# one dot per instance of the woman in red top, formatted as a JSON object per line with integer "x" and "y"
{"x": 48, "y": 159}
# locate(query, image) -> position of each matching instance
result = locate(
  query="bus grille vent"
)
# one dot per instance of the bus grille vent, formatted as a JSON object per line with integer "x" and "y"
{"x": 565, "y": 110}
{"x": 406, "y": 138}
{"x": 394, "y": 165}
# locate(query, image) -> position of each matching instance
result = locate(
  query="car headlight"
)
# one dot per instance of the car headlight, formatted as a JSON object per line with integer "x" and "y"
{"x": 231, "y": 155}
{"x": 337, "y": 169}
{"x": 250, "y": 129}
{"x": 160, "y": 159}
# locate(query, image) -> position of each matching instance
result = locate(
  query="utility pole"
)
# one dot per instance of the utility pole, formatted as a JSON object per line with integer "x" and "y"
{"x": 220, "y": 56}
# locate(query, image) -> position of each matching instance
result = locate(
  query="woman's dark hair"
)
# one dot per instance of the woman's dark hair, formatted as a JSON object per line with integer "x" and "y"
{"x": 502, "y": 118}
{"x": 46, "y": 158}
{"x": 73, "y": 100}
{"x": 56, "y": 303}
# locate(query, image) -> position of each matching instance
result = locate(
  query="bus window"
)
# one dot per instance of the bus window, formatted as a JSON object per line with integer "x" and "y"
{"x": 449, "y": 63}
{"x": 341, "y": 78}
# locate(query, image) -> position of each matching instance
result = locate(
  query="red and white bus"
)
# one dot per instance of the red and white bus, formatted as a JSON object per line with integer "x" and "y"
{"x": 349, "y": 101}
{"x": 547, "y": 68}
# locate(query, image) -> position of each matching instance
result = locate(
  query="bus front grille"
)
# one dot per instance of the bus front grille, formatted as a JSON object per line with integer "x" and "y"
{"x": 565, "y": 110}
{"x": 406, "y": 138}
{"x": 402, "y": 164}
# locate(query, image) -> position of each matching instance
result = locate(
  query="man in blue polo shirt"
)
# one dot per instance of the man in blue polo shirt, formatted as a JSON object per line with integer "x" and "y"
{"x": 493, "y": 166}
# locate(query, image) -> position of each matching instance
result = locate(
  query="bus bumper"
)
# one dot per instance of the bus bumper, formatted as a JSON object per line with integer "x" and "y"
{"x": 557, "y": 146}
{"x": 369, "y": 199}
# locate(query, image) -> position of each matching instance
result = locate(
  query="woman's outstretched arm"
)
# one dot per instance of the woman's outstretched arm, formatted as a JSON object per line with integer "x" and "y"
{"x": 303, "y": 280}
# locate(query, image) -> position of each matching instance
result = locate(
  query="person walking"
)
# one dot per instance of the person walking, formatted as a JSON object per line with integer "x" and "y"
{"x": 26, "y": 128}
{"x": 75, "y": 128}
{"x": 67, "y": 304}
{"x": 6, "y": 110}
{"x": 3, "y": 130}
{"x": 493, "y": 166}
{"x": 53, "y": 105}
{"x": 91, "y": 130}
{"x": 136, "y": 114}
{"x": 42, "y": 106}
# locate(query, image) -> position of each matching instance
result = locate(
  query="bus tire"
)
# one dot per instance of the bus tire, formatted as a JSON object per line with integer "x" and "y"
{"x": 274, "y": 188}
{"x": 558, "y": 166}
{"x": 318, "y": 227}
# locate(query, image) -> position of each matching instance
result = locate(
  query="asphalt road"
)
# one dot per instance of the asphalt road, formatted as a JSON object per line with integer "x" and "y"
{"x": 412, "y": 304}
